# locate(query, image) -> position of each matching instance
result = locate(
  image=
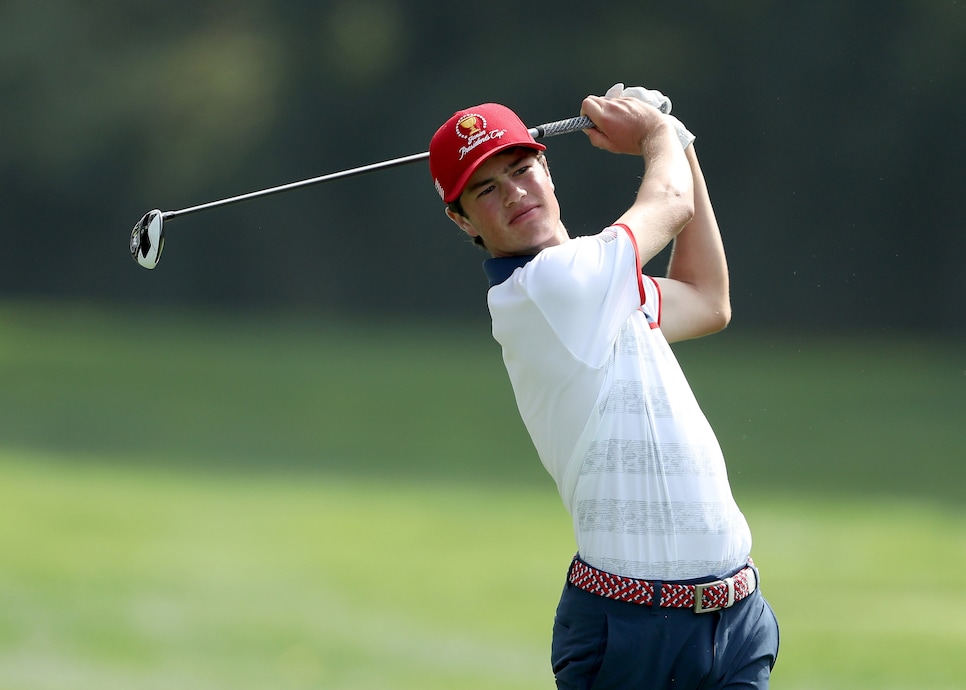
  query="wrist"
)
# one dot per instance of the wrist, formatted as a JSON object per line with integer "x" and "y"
{"x": 659, "y": 134}
{"x": 685, "y": 137}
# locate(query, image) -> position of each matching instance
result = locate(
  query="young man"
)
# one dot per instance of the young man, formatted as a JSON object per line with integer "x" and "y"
{"x": 662, "y": 592}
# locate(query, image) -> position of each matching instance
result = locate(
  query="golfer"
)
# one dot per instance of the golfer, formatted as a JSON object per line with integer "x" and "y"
{"x": 662, "y": 592}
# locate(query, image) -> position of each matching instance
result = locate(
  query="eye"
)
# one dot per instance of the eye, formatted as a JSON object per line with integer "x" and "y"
{"x": 521, "y": 170}
{"x": 485, "y": 191}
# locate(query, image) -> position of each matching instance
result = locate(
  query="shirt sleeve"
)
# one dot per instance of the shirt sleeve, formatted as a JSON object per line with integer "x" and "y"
{"x": 587, "y": 288}
{"x": 652, "y": 301}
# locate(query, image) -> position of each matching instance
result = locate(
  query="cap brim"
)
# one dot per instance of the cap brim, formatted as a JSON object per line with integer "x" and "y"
{"x": 468, "y": 173}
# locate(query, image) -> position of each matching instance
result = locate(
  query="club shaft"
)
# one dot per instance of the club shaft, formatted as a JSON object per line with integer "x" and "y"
{"x": 302, "y": 183}
{"x": 550, "y": 129}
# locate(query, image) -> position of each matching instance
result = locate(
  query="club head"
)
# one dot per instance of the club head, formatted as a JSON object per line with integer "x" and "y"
{"x": 147, "y": 239}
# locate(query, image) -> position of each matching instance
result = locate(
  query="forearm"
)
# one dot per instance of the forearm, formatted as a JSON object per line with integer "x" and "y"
{"x": 665, "y": 199}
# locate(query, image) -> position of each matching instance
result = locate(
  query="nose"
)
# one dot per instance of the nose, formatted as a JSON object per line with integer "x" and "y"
{"x": 514, "y": 194}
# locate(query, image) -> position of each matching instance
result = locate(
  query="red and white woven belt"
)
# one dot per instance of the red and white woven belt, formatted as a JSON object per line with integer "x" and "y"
{"x": 703, "y": 598}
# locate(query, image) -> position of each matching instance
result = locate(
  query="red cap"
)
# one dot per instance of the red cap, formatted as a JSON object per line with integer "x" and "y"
{"x": 467, "y": 139}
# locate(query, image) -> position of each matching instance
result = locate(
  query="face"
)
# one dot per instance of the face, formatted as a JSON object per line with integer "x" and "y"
{"x": 510, "y": 203}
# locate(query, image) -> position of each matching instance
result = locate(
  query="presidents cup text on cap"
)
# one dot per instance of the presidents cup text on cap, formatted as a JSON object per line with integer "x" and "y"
{"x": 467, "y": 139}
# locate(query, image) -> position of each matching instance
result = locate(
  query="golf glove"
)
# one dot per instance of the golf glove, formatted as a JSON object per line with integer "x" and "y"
{"x": 654, "y": 98}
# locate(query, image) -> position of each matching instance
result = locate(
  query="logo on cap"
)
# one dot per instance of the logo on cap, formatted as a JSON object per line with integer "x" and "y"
{"x": 472, "y": 127}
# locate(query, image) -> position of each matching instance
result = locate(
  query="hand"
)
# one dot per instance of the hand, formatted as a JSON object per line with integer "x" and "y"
{"x": 650, "y": 96}
{"x": 654, "y": 98}
{"x": 624, "y": 125}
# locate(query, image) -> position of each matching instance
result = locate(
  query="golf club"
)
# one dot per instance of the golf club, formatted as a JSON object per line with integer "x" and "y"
{"x": 147, "y": 238}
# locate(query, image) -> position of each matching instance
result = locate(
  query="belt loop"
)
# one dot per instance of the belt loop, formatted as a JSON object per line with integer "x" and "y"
{"x": 730, "y": 584}
{"x": 656, "y": 598}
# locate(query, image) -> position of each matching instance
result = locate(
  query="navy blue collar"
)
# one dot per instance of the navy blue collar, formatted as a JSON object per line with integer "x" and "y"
{"x": 499, "y": 268}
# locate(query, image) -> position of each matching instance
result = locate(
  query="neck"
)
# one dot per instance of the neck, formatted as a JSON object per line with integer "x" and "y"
{"x": 559, "y": 237}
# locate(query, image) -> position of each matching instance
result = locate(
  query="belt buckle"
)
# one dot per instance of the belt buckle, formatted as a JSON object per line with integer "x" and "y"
{"x": 699, "y": 595}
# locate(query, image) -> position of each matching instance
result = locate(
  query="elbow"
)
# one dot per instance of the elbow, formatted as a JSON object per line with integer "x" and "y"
{"x": 719, "y": 317}
{"x": 712, "y": 323}
{"x": 715, "y": 312}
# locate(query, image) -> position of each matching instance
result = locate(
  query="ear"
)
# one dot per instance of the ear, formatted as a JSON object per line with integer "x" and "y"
{"x": 463, "y": 222}
{"x": 546, "y": 169}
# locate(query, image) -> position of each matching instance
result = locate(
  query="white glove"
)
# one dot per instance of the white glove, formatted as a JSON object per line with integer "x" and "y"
{"x": 650, "y": 96}
{"x": 654, "y": 98}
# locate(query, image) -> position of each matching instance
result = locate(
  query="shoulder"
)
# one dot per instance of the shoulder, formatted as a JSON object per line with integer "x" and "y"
{"x": 583, "y": 276}
{"x": 586, "y": 254}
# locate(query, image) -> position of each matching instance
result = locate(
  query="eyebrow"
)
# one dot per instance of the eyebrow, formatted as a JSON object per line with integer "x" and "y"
{"x": 513, "y": 164}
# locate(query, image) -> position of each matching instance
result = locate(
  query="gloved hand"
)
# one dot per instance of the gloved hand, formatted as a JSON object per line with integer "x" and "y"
{"x": 656, "y": 99}
{"x": 650, "y": 96}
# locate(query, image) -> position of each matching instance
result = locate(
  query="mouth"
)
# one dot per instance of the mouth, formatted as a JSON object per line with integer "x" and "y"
{"x": 523, "y": 214}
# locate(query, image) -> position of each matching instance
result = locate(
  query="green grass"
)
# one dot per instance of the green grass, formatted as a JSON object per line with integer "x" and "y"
{"x": 273, "y": 392}
{"x": 118, "y": 579}
{"x": 866, "y": 590}
{"x": 836, "y": 415}
{"x": 198, "y": 502}
{"x": 137, "y": 578}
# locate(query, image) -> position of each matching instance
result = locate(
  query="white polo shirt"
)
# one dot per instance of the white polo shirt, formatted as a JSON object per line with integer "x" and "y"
{"x": 611, "y": 414}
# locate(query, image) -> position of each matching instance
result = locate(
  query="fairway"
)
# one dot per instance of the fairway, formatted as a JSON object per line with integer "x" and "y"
{"x": 294, "y": 504}
{"x": 115, "y": 579}
{"x": 118, "y": 579}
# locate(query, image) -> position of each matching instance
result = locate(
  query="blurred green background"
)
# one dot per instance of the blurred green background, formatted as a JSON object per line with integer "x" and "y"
{"x": 289, "y": 457}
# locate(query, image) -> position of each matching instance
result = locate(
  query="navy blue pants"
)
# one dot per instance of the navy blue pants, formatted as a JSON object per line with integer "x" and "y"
{"x": 603, "y": 644}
